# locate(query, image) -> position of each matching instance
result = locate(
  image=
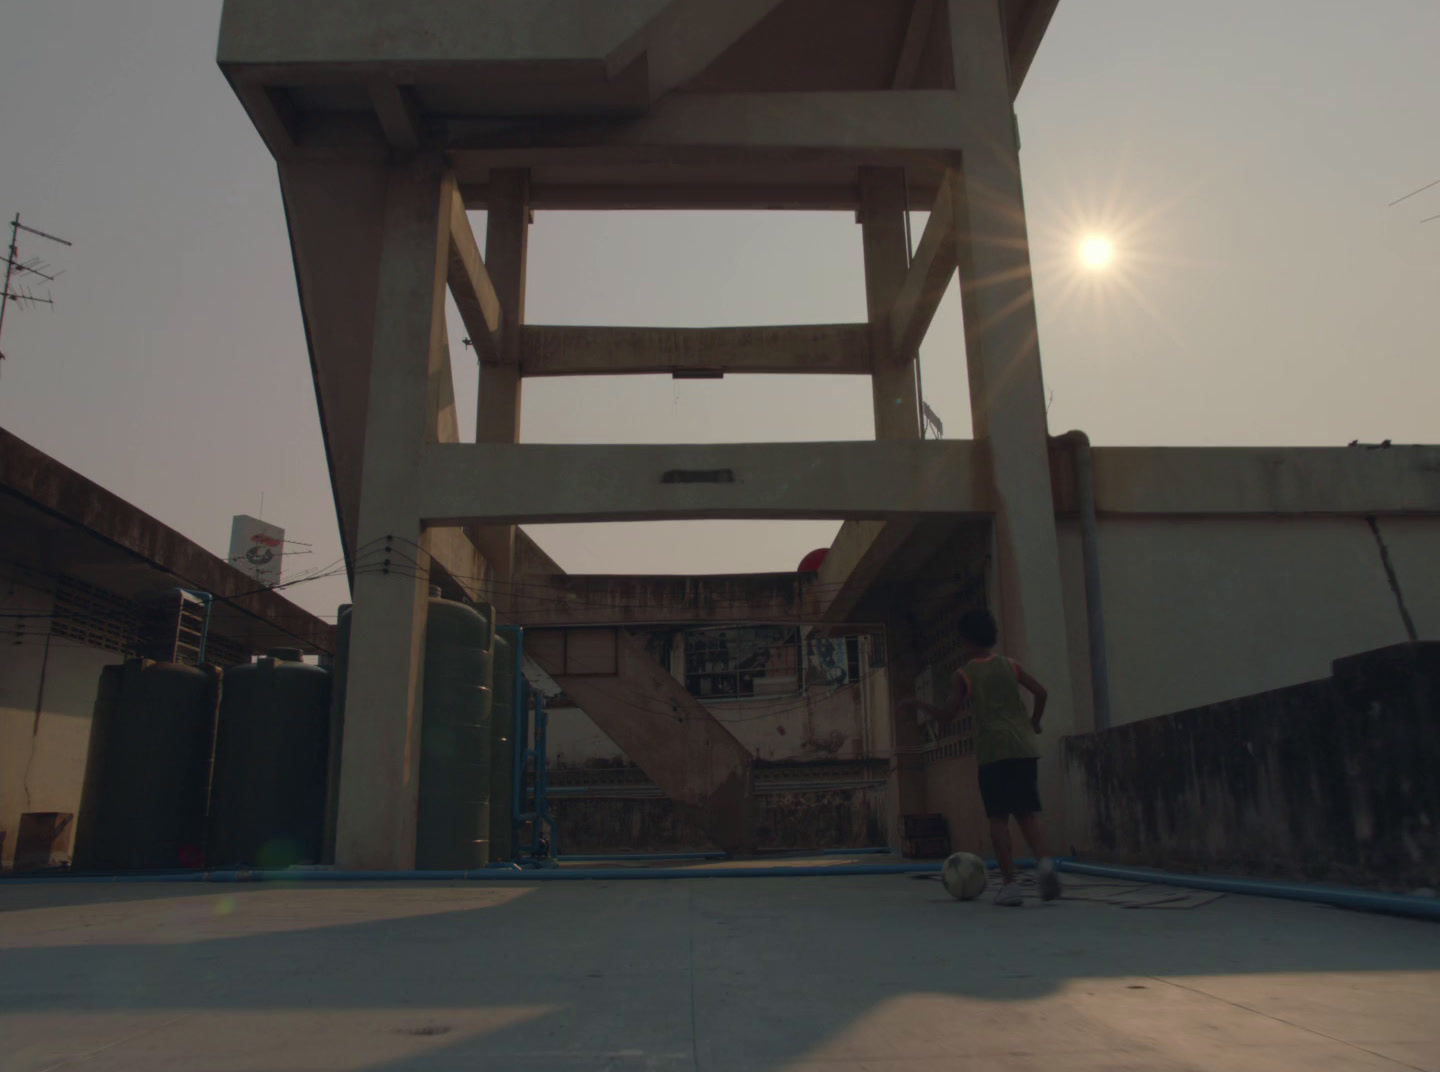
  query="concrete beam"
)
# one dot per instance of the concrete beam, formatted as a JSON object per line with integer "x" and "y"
{"x": 497, "y": 410}
{"x": 688, "y": 36}
{"x": 380, "y": 759}
{"x": 398, "y": 112}
{"x": 1026, "y": 27}
{"x": 472, "y": 288}
{"x": 381, "y": 33}
{"x": 894, "y": 386}
{"x": 537, "y": 600}
{"x": 927, "y": 280}
{"x": 596, "y": 351}
{"x": 768, "y": 191}
{"x": 1002, "y": 353}
{"x": 335, "y": 214}
{"x": 276, "y": 119}
{"x": 494, "y": 483}
{"x": 861, "y": 127}
{"x": 917, "y": 32}
{"x": 860, "y": 554}
{"x": 694, "y": 760}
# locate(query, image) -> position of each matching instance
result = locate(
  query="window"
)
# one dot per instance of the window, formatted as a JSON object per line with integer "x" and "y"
{"x": 734, "y": 664}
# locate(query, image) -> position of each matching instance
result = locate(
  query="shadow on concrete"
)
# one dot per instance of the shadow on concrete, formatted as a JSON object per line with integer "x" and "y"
{"x": 753, "y": 973}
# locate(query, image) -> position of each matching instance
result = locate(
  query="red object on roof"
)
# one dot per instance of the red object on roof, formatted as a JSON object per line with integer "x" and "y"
{"x": 811, "y": 562}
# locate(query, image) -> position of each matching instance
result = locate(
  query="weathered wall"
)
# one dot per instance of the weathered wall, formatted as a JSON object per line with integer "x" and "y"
{"x": 46, "y": 702}
{"x": 1203, "y": 609}
{"x": 795, "y": 737}
{"x": 1330, "y": 780}
{"x": 951, "y": 789}
{"x": 785, "y": 819}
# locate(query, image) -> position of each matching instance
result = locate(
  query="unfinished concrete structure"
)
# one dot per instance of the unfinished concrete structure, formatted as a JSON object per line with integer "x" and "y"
{"x": 388, "y": 122}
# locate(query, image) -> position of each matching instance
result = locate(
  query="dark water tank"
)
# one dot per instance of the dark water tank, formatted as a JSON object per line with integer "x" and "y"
{"x": 339, "y": 677}
{"x": 267, "y": 797}
{"x": 452, "y": 830}
{"x": 147, "y": 771}
{"x": 502, "y": 752}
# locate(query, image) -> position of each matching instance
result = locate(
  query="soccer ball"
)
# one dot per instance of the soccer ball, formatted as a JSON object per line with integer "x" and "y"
{"x": 964, "y": 876}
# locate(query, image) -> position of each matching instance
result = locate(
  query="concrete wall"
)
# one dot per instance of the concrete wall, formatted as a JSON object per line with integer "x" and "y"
{"x": 820, "y": 723}
{"x": 1203, "y": 609}
{"x": 1330, "y": 780}
{"x": 785, "y": 819}
{"x": 46, "y": 702}
{"x": 798, "y": 739}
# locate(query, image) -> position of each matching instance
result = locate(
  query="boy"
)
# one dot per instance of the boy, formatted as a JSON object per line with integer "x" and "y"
{"x": 1005, "y": 747}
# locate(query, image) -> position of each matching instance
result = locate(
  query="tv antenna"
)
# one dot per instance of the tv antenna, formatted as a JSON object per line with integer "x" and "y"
{"x": 21, "y": 276}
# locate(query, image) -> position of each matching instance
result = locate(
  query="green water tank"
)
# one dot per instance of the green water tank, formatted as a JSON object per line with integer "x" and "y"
{"x": 267, "y": 797}
{"x": 452, "y": 829}
{"x": 502, "y": 752}
{"x": 147, "y": 771}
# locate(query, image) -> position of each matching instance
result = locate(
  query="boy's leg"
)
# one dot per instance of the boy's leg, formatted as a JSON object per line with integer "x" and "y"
{"x": 1004, "y": 848}
{"x": 1008, "y": 896}
{"x": 1034, "y": 835}
{"x": 1045, "y": 872}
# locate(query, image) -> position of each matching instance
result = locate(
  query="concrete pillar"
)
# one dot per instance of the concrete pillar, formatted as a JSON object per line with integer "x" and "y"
{"x": 882, "y": 229}
{"x": 507, "y": 241}
{"x": 1007, "y": 395}
{"x": 380, "y": 757}
{"x": 905, "y": 792}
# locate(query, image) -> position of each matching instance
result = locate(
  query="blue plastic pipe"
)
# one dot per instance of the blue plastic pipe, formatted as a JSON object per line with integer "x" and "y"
{"x": 502, "y": 874}
{"x": 621, "y": 857}
{"x": 1367, "y": 900}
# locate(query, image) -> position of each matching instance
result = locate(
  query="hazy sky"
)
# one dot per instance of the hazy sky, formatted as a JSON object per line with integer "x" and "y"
{"x": 1242, "y": 156}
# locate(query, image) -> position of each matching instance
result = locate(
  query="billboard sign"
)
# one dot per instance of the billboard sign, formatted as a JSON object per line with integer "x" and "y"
{"x": 256, "y": 548}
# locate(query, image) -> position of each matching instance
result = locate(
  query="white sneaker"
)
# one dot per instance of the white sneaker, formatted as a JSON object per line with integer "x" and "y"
{"x": 1048, "y": 878}
{"x": 1008, "y": 896}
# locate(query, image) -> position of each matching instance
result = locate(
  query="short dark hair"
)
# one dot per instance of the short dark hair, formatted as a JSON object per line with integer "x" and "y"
{"x": 978, "y": 627}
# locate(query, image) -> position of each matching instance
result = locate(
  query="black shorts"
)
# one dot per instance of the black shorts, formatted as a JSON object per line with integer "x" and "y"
{"x": 1009, "y": 787}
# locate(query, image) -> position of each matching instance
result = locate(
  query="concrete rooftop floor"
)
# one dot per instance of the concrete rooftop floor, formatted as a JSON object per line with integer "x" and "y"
{"x": 859, "y": 973}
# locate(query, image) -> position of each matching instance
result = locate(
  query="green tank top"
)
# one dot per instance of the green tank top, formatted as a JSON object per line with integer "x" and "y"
{"x": 1002, "y": 722}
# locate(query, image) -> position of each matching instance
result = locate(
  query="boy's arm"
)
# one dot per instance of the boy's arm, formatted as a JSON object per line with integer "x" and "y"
{"x": 1037, "y": 690}
{"x": 946, "y": 712}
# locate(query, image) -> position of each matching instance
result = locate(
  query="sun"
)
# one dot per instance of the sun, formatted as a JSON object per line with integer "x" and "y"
{"x": 1097, "y": 251}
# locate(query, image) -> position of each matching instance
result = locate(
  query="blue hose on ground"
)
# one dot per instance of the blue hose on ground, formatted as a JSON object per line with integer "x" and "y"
{"x": 620, "y": 857}
{"x": 1365, "y": 900}
{"x": 598, "y": 858}
{"x": 1393, "y": 903}
{"x": 500, "y": 874}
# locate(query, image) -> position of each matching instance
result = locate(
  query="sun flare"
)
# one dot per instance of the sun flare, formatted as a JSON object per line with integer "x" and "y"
{"x": 1097, "y": 251}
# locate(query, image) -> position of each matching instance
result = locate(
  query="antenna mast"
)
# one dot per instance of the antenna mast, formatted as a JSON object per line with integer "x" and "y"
{"x": 16, "y": 291}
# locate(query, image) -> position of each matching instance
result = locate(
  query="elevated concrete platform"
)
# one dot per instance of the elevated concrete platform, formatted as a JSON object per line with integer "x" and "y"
{"x": 758, "y": 975}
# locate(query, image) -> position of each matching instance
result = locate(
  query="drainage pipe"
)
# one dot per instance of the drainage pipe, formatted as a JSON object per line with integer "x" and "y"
{"x": 1367, "y": 900}
{"x": 1090, "y": 553}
